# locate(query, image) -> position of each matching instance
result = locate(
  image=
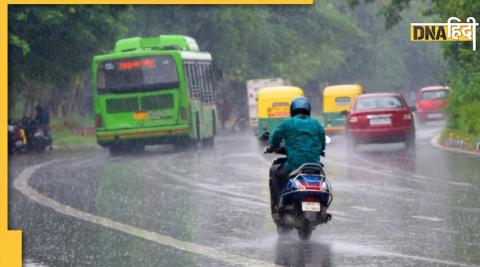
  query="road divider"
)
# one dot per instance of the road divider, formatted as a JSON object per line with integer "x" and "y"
{"x": 456, "y": 144}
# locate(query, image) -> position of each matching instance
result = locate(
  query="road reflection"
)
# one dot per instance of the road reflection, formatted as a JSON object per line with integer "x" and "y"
{"x": 292, "y": 252}
{"x": 380, "y": 157}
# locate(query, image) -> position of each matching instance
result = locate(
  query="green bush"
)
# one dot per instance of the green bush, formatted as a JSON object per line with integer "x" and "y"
{"x": 464, "y": 100}
{"x": 71, "y": 121}
{"x": 469, "y": 118}
{"x": 65, "y": 138}
{"x": 63, "y": 130}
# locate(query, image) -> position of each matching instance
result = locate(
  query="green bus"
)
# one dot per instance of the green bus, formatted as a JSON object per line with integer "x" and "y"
{"x": 156, "y": 90}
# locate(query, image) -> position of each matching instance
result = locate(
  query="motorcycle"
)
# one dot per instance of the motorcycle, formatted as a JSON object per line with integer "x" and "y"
{"x": 28, "y": 135}
{"x": 17, "y": 138}
{"x": 40, "y": 138}
{"x": 304, "y": 199}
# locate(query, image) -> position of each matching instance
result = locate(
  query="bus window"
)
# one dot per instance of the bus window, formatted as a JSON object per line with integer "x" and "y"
{"x": 137, "y": 74}
{"x": 211, "y": 90}
{"x": 199, "y": 76}
{"x": 189, "y": 72}
{"x": 209, "y": 93}
{"x": 187, "y": 75}
{"x": 204, "y": 82}
{"x": 196, "y": 93}
{"x": 211, "y": 79}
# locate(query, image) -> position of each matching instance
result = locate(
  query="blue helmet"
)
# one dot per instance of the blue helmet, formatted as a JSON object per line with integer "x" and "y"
{"x": 300, "y": 104}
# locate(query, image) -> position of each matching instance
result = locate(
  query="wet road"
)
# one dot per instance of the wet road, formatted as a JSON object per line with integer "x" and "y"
{"x": 210, "y": 207}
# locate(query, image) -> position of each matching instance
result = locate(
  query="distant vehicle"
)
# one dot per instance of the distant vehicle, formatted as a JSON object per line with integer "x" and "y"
{"x": 337, "y": 100}
{"x": 28, "y": 135}
{"x": 274, "y": 107}
{"x": 17, "y": 138}
{"x": 380, "y": 118}
{"x": 431, "y": 102}
{"x": 39, "y": 138}
{"x": 153, "y": 91}
{"x": 252, "y": 92}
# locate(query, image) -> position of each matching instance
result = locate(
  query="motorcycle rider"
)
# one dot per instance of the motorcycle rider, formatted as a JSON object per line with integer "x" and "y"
{"x": 42, "y": 121}
{"x": 304, "y": 142}
{"x": 42, "y": 117}
{"x": 11, "y": 133}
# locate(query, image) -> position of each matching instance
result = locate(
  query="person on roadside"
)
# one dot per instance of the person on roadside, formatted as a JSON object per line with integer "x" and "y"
{"x": 42, "y": 117}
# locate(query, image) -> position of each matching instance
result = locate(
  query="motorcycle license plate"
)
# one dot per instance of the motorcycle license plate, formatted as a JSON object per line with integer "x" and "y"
{"x": 310, "y": 206}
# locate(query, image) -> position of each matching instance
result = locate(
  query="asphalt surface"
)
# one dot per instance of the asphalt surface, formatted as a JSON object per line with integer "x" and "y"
{"x": 209, "y": 207}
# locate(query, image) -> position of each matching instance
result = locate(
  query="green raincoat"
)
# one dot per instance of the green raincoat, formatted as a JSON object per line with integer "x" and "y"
{"x": 304, "y": 140}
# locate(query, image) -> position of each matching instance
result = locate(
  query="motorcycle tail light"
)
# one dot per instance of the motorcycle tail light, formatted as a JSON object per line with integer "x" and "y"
{"x": 98, "y": 121}
{"x": 311, "y": 199}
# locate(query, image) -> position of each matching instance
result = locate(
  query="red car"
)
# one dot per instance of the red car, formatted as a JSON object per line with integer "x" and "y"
{"x": 380, "y": 118}
{"x": 431, "y": 102}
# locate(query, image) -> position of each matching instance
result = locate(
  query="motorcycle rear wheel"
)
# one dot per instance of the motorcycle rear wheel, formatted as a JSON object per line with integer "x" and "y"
{"x": 39, "y": 146}
{"x": 305, "y": 231}
{"x": 282, "y": 229}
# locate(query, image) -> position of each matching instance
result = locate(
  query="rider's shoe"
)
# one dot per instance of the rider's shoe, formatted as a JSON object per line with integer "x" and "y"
{"x": 328, "y": 217}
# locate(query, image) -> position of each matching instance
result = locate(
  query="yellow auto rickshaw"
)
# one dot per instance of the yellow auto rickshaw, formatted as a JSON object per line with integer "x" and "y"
{"x": 337, "y": 100}
{"x": 274, "y": 107}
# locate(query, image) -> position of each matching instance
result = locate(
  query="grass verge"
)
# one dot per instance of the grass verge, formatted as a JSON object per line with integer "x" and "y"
{"x": 65, "y": 131}
{"x": 469, "y": 141}
{"x": 67, "y": 138}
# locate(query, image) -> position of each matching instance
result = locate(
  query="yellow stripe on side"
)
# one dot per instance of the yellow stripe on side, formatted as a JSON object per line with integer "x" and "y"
{"x": 24, "y": 136}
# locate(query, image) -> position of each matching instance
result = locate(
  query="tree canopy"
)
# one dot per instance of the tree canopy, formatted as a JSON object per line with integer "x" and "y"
{"x": 51, "y": 47}
{"x": 464, "y": 64}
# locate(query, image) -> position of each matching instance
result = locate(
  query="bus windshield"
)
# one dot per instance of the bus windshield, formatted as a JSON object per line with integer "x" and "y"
{"x": 137, "y": 74}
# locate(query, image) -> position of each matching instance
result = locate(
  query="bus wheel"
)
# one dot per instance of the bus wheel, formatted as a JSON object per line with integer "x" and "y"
{"x": 137, "y": 147}
{"x": 208, "y": 142}
{"x": 115, "y": 149}
{"x": 184, "y": 144}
